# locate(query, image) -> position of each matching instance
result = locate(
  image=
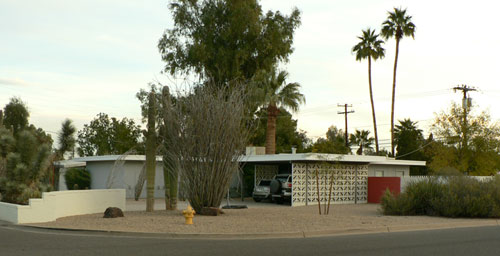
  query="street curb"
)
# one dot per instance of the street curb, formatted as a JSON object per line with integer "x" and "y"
{"x": 278, "y": 235}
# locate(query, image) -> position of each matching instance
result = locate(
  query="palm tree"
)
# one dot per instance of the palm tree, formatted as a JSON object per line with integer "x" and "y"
{"x": 370, "y": 47}
{"x": 276, "y": 93}
{"x": 361, "y": 139}
{"x": 397, "y": 25}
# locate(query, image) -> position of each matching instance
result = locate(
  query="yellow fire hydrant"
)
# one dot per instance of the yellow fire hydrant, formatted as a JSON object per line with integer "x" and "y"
{"x": 189, "y": 214}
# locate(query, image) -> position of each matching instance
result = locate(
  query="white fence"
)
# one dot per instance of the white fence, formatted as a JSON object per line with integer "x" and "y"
{"x": 408, "y": 179}
{"x": 59, "y": 204}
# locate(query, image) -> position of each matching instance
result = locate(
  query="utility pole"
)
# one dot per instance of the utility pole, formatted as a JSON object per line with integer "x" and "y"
{"x": 345, "y": 106}
{"x": 466, "y": 103}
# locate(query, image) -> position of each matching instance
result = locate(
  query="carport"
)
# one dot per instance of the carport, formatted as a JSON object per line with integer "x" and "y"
{"x": 317, "y": 176}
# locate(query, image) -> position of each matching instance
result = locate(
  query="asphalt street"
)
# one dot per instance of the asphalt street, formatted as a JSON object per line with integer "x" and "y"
{"x": 16, "y": 240}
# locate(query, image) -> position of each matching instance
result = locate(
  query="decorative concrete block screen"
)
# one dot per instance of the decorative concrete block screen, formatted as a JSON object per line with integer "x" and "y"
{"x": 265, "y": 172}
{"x": 349, "y": 183}
{"x": 59, "y": 204}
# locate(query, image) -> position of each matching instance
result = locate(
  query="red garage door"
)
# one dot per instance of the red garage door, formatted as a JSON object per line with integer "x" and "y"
{"x": 378, "y": 185}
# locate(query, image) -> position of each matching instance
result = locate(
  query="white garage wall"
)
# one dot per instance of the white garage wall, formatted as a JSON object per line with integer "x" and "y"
{"x": 125, "y": 177}
{"x": 388, "y": 170}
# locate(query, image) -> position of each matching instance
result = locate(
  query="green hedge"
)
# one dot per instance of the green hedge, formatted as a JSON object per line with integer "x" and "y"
{"x": 77, "y": 178}
{"x": 457, "y": 196}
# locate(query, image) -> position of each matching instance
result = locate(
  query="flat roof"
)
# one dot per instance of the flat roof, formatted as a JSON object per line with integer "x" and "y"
{"x": 114, "y": 158}
{"x": 317, "y": 157}
{"x": 278, "y": 158}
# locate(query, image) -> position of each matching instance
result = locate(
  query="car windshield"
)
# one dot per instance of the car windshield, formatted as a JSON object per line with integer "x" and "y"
{"x": 264, "y": 183}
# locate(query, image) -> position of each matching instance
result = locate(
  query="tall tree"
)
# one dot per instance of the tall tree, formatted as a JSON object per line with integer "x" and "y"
{"x": 397, "y": 25}
{"x": 151, "y": 154}
{"x": 361, "y": 139}
{"x": 370, "y": 47}
{"x": 225, "y": 40}
{"x": 276, "y": 93}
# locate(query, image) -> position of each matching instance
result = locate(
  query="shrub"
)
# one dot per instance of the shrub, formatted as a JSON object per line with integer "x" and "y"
{"x": 77, "y": 178}
{"x": 417, "y": 199}
{"x": 456, "y": 196}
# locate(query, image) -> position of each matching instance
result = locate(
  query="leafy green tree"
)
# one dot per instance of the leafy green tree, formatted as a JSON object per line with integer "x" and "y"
{"x": 370, "y": 47}
{"x": 408, "y": 138}
{"x": 223, "y": 40}
{"x": 275, "y": 94}
{"x": 469, "y": 145}
{"x": 397, "y": 25}
{"x": 15, "y": 115}
{"x": 106, "y": 135}
{"x": 361, "y": 139}
{"x": 287, "y": 135}
{"x": 410, "y": 143}
{"x": 333, "y": 144}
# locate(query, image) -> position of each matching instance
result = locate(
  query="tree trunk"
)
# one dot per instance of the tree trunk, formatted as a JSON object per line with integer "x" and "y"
{"x": 272, "y": 113}
{"x": 373, "y": 105}
{"x": 394, "y": 96}
{"x": 151, "y": 154}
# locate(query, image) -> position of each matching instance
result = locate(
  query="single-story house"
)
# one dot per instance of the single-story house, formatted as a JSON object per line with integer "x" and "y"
{"x": 347, "y": 173}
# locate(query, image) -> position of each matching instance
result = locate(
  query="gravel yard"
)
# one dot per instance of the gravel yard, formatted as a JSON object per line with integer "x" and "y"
{"x": 266, "y": 218}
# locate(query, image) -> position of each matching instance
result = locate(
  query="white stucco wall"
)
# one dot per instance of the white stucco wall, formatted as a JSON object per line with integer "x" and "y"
{"x": 59, "y": 204}
{"x": 125, "y": 177}
{"x": 389, "y": 170}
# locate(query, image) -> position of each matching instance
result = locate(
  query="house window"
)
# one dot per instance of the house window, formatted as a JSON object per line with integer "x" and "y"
{"x": 379, "y": 173}
{"x": 400, "y": 173}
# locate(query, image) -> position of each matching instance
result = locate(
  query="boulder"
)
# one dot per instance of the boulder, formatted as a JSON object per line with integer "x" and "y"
{"x": 211, "y": 211}
{"x": 113, "y": 212}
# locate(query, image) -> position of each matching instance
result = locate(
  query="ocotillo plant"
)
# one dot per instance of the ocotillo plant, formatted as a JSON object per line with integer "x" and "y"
{"x": 205, "y": 136}
{"x": 151, "y": 154}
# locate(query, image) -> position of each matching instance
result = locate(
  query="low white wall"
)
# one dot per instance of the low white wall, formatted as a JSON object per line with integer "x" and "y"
{"x": 59, "y": 204}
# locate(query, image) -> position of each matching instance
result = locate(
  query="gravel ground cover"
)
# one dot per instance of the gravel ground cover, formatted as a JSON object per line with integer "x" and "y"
{"x": 257, "y": 219}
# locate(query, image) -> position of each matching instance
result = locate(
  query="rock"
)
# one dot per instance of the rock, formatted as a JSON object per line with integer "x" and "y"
{"x": 211, "y": 211}
{"x": 113, "y": 212}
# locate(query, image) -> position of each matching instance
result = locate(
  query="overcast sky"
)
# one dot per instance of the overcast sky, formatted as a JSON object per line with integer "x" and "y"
{"x": 74, "y": 59}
